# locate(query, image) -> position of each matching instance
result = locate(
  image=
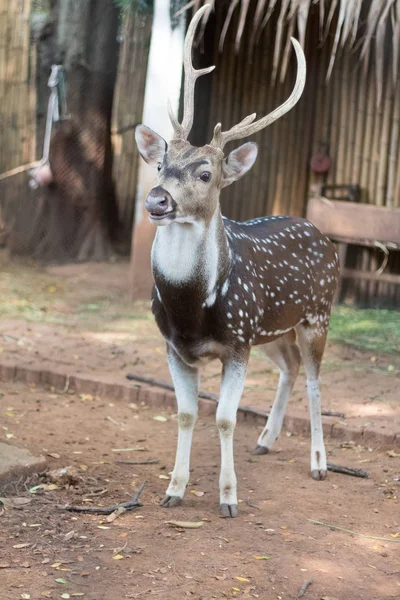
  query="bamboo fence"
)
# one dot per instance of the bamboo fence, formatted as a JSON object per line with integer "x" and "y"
{"x": 17, "y": 105}
{"x": 362, "y": 137}
{"x": 128, "y": 107}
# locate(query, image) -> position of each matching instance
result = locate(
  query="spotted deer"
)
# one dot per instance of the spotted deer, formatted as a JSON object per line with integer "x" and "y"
{"x": 222, "y": 287}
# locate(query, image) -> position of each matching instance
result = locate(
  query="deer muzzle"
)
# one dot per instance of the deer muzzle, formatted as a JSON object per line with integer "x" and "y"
{"x": 160, "y": 204}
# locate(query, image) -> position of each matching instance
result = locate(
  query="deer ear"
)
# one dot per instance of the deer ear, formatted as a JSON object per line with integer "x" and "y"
{"x": 238, "y": 162}
{"x": 151, "y": 146}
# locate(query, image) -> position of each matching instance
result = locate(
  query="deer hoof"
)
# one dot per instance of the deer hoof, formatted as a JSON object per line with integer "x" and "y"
{"x": 319, "y": 474}
{"x": 171, "y": 501}
{"x": 260, "y": 450}
{"x": 228, "y": 510}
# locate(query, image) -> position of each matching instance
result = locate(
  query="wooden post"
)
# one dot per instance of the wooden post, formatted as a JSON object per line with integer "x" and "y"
{"x": 163, "y": 81}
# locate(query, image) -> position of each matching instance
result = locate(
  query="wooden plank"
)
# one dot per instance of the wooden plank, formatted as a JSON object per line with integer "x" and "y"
{"x": 370, "y": 276}
{"x": 354, "y": 220}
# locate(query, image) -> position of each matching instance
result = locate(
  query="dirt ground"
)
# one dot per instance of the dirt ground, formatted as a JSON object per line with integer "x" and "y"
{"x": 268, "y": 552}
{"x": 79, "y": 319}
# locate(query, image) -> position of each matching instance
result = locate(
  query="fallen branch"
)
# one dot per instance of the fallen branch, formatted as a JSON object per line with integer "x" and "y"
{"x": 347, "y": 470}
{"x": 209, "y": 396}
{"x": 333, "y": 413}
{"x": 304, "y": 587}
{"x": 137, "y": 462}
{"x": 107, "y": 510}
{"x": 252, "y": 505}
{"x": 167, "y": 386}
{"x": 368, "y": 537}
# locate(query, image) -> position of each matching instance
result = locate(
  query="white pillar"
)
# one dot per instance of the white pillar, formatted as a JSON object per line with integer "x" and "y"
{"x": 163, "y": 81}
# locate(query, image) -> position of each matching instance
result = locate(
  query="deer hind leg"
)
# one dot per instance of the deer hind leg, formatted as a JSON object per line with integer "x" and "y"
{"x": 186, "y": 384}
{"x": 285, "y": 353}
{"x": 312, "y": 339}
{"x": 233, "y": 377}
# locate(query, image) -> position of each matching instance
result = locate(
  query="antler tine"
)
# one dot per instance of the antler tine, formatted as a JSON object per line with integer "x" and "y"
{"x": 191, "y": 74}
{"x": 246, "y": 127}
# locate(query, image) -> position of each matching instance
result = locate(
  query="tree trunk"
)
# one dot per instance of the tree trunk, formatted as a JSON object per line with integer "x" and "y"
{"x": 76, "y": 217}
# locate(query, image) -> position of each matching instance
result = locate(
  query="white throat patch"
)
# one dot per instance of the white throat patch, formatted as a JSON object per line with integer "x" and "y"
{"x": 184, "y": 250}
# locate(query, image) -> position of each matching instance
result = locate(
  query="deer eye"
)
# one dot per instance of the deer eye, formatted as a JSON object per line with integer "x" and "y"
{"x": 159, "y": 167}
{"x": 206, "y": 176}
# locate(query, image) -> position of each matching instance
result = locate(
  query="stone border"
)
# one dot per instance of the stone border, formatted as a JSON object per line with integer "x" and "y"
{"x": 117, "y": 388}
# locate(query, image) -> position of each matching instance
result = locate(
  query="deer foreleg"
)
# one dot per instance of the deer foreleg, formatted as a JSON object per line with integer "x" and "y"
{"x": 233, "y": 377}
{"x": 186, "y": 383}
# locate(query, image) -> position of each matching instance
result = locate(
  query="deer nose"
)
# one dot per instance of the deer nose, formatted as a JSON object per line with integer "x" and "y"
{"x": 159, "y": 201}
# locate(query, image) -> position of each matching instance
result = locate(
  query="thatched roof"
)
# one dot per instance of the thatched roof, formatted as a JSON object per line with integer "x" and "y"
{"x": 361, "y": 25}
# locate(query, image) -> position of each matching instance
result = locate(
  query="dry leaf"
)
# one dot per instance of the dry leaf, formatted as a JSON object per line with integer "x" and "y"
{"x": 242, "y": 579}
{"x": 392, "y": 453}
{"x": 185, "y": 524}
{"x": 163, "y": 477}
{"x": 261, "y": 557}
{"x": 196, "y": 493}
{"x": 123, "y": 534}
{"x": 14, "y": 501}
{"x": 25, "y": 596}
{"x": 53, "y": 454}
{"x": 220, "y": 577}
{"x": 118, "y": 557}
{"x": 61, "y": 580}
{"x": 65, "y": 596}
{"x": 160, "y": 418}
{"x": 19, "y": 546}
{"x": 4, "y": 566}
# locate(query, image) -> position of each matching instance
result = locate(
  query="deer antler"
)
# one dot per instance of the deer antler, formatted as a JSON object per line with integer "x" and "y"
{"x": 246, "y": 127}
{"x": 182, "y": 130}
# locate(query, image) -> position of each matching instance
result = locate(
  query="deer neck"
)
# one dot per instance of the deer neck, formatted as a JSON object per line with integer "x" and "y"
{"x": 192, "y": 256}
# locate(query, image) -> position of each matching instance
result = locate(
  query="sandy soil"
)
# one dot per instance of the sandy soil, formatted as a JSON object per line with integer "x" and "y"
{"x": 80, "y": 318}
{"x": 268, "y": 552}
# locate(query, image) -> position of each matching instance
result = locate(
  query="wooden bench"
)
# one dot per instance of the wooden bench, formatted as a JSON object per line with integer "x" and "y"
{"x": 358, "y": 224}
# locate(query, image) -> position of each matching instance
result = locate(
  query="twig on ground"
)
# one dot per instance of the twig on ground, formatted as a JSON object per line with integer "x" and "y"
{"x": 167, "y": 386}
{"x": 252, "y": 505}
{"x": 107, "y": 510}
{"x": 368, "y": 537}
{"x": 304, "y": 588}
{"x": 66, "y": 386}
{"x": 347, "y": 470}
{"x": 333, "y": 413}
{"x": 209, "y": 396}
{"x": 137, "y": 462}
